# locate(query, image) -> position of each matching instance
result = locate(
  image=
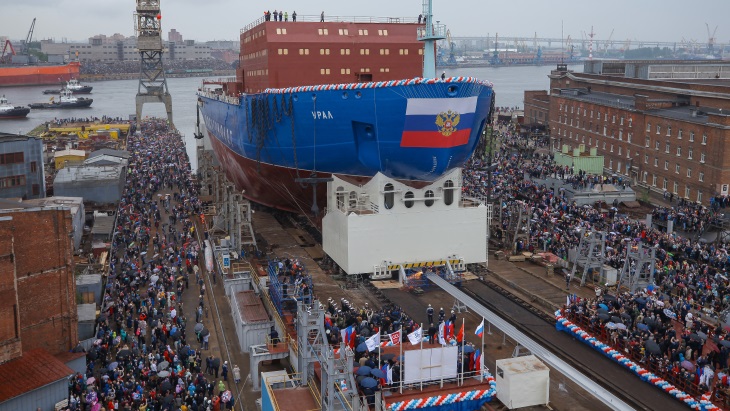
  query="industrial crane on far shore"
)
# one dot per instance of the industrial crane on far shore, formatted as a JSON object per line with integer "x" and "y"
{"x": 710, "y": 39}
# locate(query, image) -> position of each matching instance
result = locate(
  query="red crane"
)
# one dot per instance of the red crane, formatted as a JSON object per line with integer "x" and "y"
{"x": 5, "y": 58}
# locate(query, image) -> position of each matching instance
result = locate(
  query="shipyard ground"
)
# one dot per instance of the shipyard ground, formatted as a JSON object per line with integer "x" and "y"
{"x": 282, "y": 237}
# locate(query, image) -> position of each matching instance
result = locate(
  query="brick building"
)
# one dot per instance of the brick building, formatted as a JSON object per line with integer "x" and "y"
{"x": 537, "y": 108}
{"x": 663, "y": 124}
{"x": 38, "y": 319}
{"x": 37, "y": 287}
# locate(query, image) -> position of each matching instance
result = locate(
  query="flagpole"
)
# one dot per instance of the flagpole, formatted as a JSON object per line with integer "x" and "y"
{"x": 420, "y": 355}
{"x": 400, "y": 333}
{"x": 463, "y": 338}
{"x": 481, "y": 354}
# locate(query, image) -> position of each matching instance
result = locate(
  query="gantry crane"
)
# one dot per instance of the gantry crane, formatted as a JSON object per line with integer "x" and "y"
{"x": 452, "y": 46}
{"x": 710, "y": 39}
{"x": 25, "y": 46}
{"x": 607, "y": 44}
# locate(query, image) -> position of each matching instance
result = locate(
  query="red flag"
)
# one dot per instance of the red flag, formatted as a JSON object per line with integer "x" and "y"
{"x": 460, "y": 336}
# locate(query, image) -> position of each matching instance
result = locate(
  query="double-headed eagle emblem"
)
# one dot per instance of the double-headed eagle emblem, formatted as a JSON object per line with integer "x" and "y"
{"x": 447, "y": 122}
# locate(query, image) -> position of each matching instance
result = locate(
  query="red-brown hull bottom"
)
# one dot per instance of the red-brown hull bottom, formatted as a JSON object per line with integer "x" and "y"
{"x": 271, "y": 185}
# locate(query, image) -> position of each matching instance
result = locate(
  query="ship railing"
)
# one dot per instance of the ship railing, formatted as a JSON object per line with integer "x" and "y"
{"x": 316, "y": 18}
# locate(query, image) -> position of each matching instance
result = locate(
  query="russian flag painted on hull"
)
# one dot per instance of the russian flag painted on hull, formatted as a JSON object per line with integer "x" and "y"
{"x": 438, "y": 122}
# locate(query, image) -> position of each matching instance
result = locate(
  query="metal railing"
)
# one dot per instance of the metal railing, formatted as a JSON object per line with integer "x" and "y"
{"x": 316, "y": 18}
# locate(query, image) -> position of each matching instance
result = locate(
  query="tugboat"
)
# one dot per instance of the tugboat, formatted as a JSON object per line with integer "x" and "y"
{"x": 74, "y": 86}
{"x": 8, "y": 111}
{"x": 65, "y": 100}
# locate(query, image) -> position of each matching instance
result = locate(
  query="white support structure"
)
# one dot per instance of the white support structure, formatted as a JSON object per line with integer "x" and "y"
{"x": 385, "y": 223}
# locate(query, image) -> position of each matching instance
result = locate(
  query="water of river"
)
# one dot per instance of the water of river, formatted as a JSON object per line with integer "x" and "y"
{"x": 116, "y": 98}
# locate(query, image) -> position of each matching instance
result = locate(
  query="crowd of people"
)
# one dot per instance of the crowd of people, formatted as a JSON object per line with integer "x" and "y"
{"x": 71, "y": 120}
{"x": 690, "y": 279}
{"x": 147, "y": 355}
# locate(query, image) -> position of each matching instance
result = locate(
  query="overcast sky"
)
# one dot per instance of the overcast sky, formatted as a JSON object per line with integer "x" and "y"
{"x": 669, "y": 20}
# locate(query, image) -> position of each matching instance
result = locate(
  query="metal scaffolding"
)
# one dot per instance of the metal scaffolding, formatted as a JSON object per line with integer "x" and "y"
{"x": 338, "y": 390}
{"x": 638, "y": 269}
{"x": 152, "y": 82}
{"x": 590, "y": 255}
{"x": 518, "y": 225}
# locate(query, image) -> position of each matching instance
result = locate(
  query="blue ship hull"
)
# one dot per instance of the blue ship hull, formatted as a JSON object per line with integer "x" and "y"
{"x": 410, "y": 130}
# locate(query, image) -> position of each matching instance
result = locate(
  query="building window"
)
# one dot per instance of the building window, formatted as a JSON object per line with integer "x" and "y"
{"x": 384, "y": 52}
{"x": 323, "y": 32}
{"x": 12, "y": 181}
{"x": 643, "y": 178}
{"x": 686, "y": 192}
{"x": 33, "y": 166}
{"x": 283, "y": 51}
{"x": 613, "y": 119}
{"x": 689, "y": 172}
{"x": 344, "y": 32}
{"x": 666, "y": 165}
{"x": 345, "y": 71}
{"x": 679, "y": 151}
{"x": 382, "y": 32}
{"x": 648, "y": 142}
{"x": 389, "y": 196}
{"x": 656, "y": 161}
{"x": 12, "y": 158}
{"x": 669, "y": 131}
{"x": 689, "y": 153}
{"x": 656, "y": 145}
{"x": 403, "y": 52}
{"x": 619, "y": 150}
{"x": 36, "y": 189}
{"x": 280, "y": 31}
{"x": 702, "y": 157}
{"x": 303, "y": 52}
{"x": 621, "y": 135}
{"x": 701, "y": 176}
{"x": 385, "y": 70}
{"x": 622, "y": 121}
{"x": 345, "y": 52}
{"x": 364, "y": 52}
{"x": 679, "y": 134}
{"x": 665, "y": 183}
{"x": 676, "y": 168}
{"x": 628, "y": 137}
{"x": 658, "y": 129}
{"x": 604, "y": 146}
{"x": 612, "y": 148}
{"x": 630, "y": 121}
{"x": 324, "y": 71}
{"x": 666, "y": 147}
{"x": 699, "y": 196}
{"x": 704, "y": 138}
{"x": 691, "y": 136}
{"x": 610, "y": 164}
{"x": 362, "y": 32}
{"x": 420, "y": 52}
{"x": 324, "y": 52}
{"x": 653, "y": 180}
{"x": 675, "y": 188}
{"x": 604, "y": 131}
{"x": 648, "y": 127}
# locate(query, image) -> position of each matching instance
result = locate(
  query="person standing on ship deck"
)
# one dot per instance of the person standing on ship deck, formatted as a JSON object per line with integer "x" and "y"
{"x": 321, "y": 17}
{"x": 294, "y": 16}
{"x": 286, "y": 16}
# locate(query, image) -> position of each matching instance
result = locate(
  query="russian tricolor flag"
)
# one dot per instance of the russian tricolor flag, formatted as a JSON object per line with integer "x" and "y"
{"x": 480, "y": 329}
{"x": 438, "y": 122}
